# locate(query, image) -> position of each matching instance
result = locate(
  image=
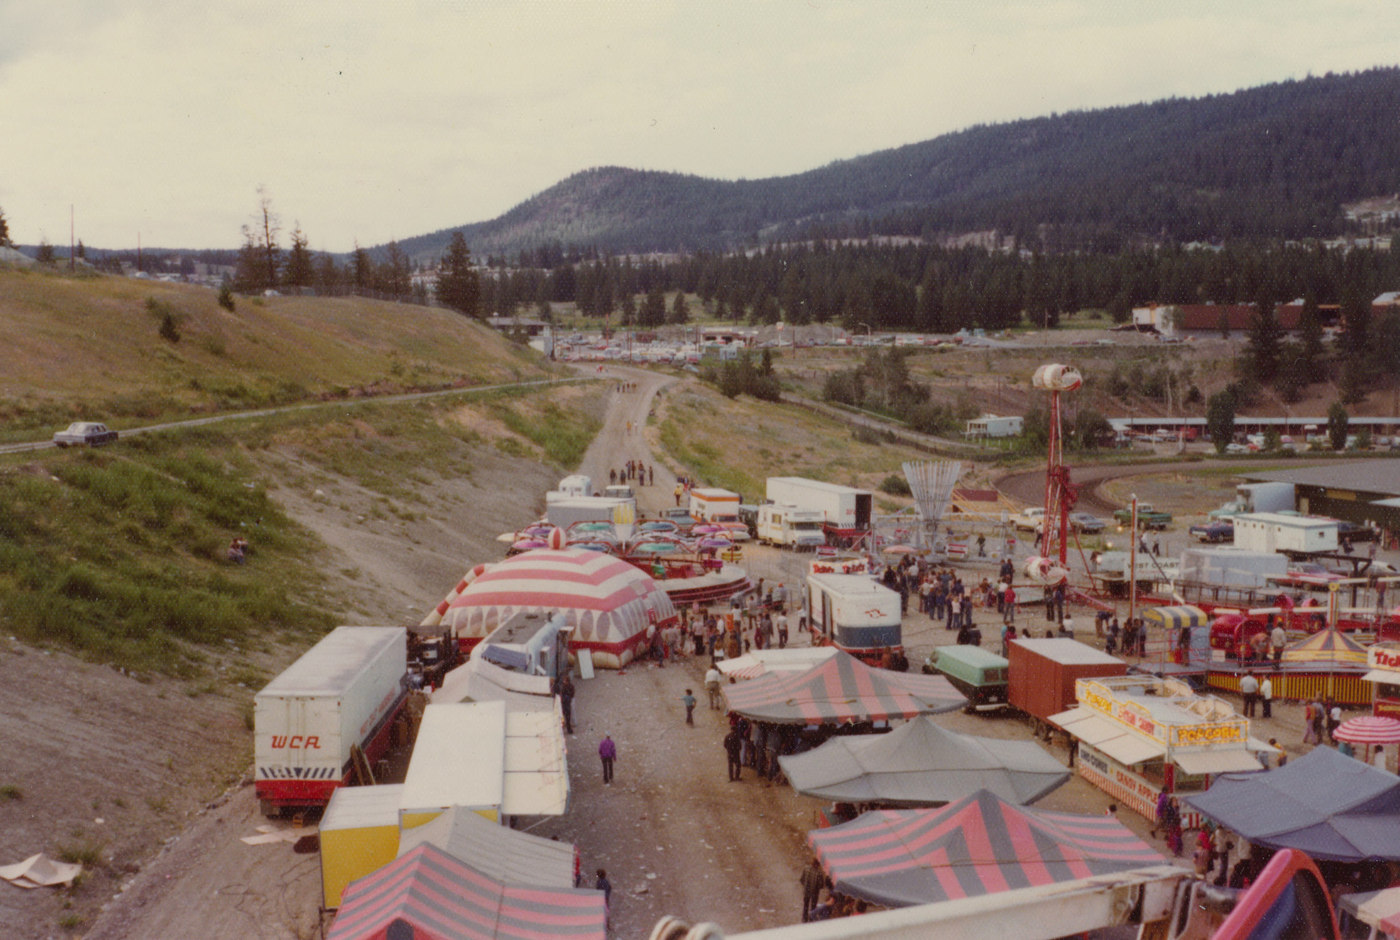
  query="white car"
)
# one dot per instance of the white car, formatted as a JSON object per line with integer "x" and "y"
{"x": 85, "y": 433}
{"x": 1234, "y": 448}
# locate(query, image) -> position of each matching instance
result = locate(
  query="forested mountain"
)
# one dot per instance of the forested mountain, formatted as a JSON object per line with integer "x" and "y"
{"x": 1271, "y": 162}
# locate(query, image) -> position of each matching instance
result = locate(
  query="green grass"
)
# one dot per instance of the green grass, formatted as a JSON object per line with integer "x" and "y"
{"x": 563, "y": 434}
{"x": 119, "y": 554}
{"x": 10, "y": 793}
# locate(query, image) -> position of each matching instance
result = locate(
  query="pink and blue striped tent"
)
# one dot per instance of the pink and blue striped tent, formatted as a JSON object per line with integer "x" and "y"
{"x": 841, "y": 690}
{"x": 978, "y": 845}
{"x": 430, "y": 895}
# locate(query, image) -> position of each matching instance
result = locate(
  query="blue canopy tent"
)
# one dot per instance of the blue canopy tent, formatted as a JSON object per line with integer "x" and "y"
{"x": 1326, "y": 804}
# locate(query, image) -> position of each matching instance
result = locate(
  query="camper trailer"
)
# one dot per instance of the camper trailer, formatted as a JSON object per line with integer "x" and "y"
{"x": 854, "y": 613}
{"x": 787, "y": 525}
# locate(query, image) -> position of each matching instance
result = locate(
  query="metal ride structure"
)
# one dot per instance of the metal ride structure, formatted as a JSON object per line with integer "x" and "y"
{"x": 931, "y": 482}
{"x": 1049, "y": 566}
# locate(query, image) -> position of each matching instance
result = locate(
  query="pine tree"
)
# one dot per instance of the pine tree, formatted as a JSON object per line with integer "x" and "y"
{"x": 680, "y": 310}
{"x": 5, "y": 232}
{"x": 297, "y": 271}
{"x": 459, "y": 284}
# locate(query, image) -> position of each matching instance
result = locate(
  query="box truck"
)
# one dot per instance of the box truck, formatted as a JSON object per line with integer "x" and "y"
{"x": 1041, "y": 674}
{"x": 344, "y": 692}
{"x": 844, "y": 509}
{"x": 568, "y": 511}
{"x": 854, "y": 613}
{"x": 788, "y": 525}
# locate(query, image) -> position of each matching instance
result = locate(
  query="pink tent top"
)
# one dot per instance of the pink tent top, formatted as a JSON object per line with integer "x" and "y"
{"x": 1369, "y": 729}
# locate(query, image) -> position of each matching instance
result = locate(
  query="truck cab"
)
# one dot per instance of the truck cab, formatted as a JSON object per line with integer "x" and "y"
{"x": 1029, "y": 519}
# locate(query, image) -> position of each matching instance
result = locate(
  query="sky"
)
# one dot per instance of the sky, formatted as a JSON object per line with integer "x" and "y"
{"x": 161, "y": 121}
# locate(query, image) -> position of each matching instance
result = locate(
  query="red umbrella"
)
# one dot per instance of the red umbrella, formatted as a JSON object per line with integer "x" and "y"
{"x": 1369, "y": 729}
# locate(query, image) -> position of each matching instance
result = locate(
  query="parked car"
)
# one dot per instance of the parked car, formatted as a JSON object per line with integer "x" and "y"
{"x": 1354, "y": 532}
{"x": 1236, "y": 448}
{"x": 1086, "y": 522}
{"x": 85, "y": 433}
{"x": 1218, "y": 531}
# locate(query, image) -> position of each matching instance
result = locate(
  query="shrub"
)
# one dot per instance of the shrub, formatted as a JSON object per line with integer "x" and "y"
{"x": 895, "y": 485}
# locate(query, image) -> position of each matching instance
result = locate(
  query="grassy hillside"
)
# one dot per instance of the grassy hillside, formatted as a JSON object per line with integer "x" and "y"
{"x": 92, "y": 347}
{"x": 120, "y": 553}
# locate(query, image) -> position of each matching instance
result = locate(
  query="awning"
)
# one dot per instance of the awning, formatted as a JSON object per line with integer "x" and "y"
{"x": 1174, "y": 618}
{"x": 536, "y": 770}
{"x": 1385, "y": 676}
{"x": 1218, "y": 761}
{"x": 1124, "y": 746}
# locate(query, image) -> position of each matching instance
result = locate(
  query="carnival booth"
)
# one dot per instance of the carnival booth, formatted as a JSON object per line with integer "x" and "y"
{"x": 609, "y": 604}
{"x": 841, "y": 690}
{"x": 1139, "y": 735}
{"x": 922, "y": 764}
{"x": 1324, "y": 803}
{"x": 429, "y": 893}
{"x": 976, "y": 846}
{"x": 1384, "y": 678}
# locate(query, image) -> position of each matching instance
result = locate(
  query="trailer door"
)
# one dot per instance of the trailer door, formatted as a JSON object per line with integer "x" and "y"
{"x": 863, "y": 510}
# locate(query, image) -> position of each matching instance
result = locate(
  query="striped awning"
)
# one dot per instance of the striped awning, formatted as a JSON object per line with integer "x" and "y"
{"x": 975, "y": 846}
{"x": 1325, "y": 646}
{"x": 841, "y": 690}
{"x": 442, "y": 898}
{"x": 1177, "y": 616}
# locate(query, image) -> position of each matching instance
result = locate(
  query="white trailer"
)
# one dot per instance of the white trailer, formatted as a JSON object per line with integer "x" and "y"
{"x": 1291, "y": 535}
{"x": 842, "y": 507}
{"x": 342, "y": 693}
{"x": 565, "y": 512}
{"x": 712, "y": 504}
{"x": 854, "y": 613}
{"x": 788, "y": 525}
{"x": 575, "y": 485}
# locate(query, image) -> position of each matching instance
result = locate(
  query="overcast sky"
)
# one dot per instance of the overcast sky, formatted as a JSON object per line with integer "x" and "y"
{"x": 369, "y": 121}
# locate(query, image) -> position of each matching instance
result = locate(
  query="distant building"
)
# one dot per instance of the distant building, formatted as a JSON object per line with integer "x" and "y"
{"x": 1170, "y": 319}
{"x": 994, "y": 426}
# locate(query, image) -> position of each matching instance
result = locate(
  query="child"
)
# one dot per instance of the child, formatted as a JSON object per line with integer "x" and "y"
{"x": 689, "y": 700}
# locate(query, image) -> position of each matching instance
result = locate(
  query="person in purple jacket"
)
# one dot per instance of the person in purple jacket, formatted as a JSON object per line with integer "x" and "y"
{"x": 607, "y": 750}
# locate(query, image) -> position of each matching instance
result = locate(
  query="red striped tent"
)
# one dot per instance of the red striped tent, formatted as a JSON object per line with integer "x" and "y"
{"x": 839, "y": 691}
{"x": 1369, "y": 729}
{"x": 979, "y": 845}
{"x": 609, "y": 603}
{"x": 429, "y": 895}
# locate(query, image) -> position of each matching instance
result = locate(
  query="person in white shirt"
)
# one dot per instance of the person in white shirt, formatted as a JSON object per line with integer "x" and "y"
{"x": 1378, "y": 759}
{"x": 1266, "y": 695}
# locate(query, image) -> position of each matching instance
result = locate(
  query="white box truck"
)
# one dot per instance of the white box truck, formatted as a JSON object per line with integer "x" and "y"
{"x": 854, "y": 613}
{"x": 719, "y": 507}
{"x": 1291, "y": 535}
{"x": 344, "y": 691}
{"x": 842, "y": 507}
{"x": 565, "y": 512}
{"x": 787, "y": 525}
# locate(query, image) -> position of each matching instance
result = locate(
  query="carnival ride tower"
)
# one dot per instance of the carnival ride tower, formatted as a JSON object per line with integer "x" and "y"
{"x": 1050, "y": 565}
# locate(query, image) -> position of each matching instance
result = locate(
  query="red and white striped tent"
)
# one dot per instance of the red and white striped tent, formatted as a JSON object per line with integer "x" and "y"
{"x": 1369, "y": 729}
{"x": 610, "y": 603}
{"x": 978, "y": 845}
{"x": 841, "y": 690}
{"x": 428, "y": 894}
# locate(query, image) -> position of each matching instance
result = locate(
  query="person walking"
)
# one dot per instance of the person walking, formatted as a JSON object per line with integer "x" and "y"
{"x": 566, "y": 702}
{"x": 1266, "y": 695}
{"x": 813, "y": 879}
{"x": 1378, "y": 759}
{"x": 1249, "y": 688}
{"x": 607, "y": 752}
{"x": 734, "y": 753}
{"x": 688, "y": 700}
{"x": 602, "y": 884}
{"x": 1008, "y": 613}
{"x": 713, "y": 678}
